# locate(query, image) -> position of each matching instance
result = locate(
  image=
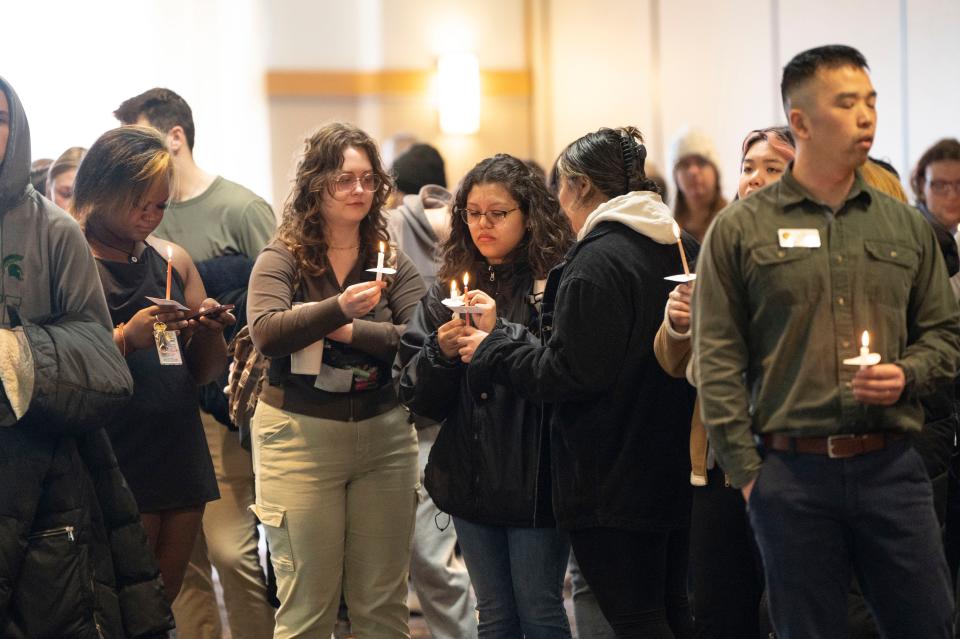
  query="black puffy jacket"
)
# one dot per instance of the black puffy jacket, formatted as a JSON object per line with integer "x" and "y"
{"x": 74, "y": 560}
{"x": 489, "y": 463}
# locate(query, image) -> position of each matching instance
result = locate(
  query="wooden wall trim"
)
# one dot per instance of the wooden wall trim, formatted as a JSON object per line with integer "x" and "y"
{"x": 318, "y": 83}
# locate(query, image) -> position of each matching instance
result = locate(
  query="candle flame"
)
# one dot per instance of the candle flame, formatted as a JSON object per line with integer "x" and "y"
{"x": 453, "y": 288}
{"x": 865, "y": 339}
{"x": 676, "y": 231}
{"x": 169, "y": 252}
{"x": 466, "y": 279}
{"x": 381, "y": 247}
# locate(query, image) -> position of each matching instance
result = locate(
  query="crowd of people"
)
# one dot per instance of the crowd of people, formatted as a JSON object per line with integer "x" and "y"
{"x": 725, "y": 420}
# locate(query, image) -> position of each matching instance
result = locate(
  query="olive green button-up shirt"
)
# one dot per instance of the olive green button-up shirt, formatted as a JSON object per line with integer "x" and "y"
{"x": 772, "y": 324}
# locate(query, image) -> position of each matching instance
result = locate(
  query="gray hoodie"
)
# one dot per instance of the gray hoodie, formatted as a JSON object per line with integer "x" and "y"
{"x": 410, "y": 229}
{"x": 56, "y": 348}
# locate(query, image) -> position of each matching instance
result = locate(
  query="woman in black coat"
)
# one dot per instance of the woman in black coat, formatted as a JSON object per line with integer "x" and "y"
{"x": 488, "y": 467}
{"x": 619, "y": 425}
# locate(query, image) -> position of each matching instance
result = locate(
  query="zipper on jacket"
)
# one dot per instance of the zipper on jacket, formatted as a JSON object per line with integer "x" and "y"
{"x": 55, "y": 532}
{"x": 96, "y": 621}
{"x": 493, "y": 277}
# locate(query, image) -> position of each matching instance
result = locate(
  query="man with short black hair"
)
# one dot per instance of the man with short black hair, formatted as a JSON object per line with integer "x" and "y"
{"x": 223, "y": 226}
{"x": 788, "y": 280}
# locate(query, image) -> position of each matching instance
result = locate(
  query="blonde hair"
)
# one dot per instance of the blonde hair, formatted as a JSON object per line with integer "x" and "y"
{"x": 883, "y": 180}
{"x": 118, "y": 170}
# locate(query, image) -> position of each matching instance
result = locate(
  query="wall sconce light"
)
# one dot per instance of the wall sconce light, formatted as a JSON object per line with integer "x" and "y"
{"x": 458, "y": 93}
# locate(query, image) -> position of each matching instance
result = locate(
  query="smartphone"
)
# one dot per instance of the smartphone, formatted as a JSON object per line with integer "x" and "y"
{"x": 211, "y": 312}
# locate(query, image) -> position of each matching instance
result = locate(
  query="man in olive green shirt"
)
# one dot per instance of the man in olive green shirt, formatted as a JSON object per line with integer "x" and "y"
{"x": 788, "y": 280}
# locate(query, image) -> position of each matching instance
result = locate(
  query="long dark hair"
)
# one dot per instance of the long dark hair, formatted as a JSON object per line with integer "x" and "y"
{"x": 548, "y": 233}
{"x": 611, "y": 159}
{"x": 302, "y": 227}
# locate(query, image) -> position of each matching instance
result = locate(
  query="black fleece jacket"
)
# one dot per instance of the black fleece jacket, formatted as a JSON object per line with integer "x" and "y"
{"x": 619, "y": 425}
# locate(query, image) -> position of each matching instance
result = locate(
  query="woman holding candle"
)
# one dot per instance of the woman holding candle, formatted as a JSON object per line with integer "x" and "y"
{"x": 488, "y": 467}
{"x": 121, "y": 190}
{"x": 334, "y": 453}
{"x": 726, "y": 575}
{"x": 619, "y": 454}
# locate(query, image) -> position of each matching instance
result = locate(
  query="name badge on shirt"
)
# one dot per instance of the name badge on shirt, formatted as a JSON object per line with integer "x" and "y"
{"x": 799, "y": 238}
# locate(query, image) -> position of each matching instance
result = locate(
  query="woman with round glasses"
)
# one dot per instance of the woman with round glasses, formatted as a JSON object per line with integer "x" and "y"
{"x": 334, "y": 454}
{"x": 489, "y": 467}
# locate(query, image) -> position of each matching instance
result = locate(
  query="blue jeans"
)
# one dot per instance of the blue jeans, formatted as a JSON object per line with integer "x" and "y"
{"x": 518, "y": 576}
{"x": 818, "y": 521}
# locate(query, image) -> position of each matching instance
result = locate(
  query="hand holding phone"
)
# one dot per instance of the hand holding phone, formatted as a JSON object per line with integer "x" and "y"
{"x": 212, "y": 312}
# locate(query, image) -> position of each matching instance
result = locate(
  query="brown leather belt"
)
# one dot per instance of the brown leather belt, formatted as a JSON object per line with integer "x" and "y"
{"x": 835, "y": 446}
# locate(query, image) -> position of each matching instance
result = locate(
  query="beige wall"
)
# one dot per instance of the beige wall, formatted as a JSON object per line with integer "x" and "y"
{"x": 372, "y": 35}
{"x": 664, "y": 64}
{"x": 658, "y": 64}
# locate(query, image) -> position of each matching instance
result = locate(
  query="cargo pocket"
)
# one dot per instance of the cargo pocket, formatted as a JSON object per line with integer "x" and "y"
{"x": 274, "y": 522}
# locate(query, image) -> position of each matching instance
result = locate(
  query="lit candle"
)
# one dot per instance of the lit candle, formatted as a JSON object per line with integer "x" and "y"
{"x": 864, "y": 347}
{"x": 683, "y": 255}
{"x": 380, "y": 263}
{"x": 169, "y": 269}
{"x": 466, "y": 282}
{"x": 453, "y": 289}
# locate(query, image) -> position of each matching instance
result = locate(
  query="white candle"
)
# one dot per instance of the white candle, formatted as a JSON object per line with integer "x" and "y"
{"x": 683, "y": 255}
{"x": 466, "y": 281}
{"x": 864, "y": 347}
{"x": 380, "y": 263}
{"x": 453, "y": 289}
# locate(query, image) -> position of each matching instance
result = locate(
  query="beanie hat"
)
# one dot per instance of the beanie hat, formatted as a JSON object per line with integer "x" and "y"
{"x": 692, "y": 142}
{"x": 419, "y": 166}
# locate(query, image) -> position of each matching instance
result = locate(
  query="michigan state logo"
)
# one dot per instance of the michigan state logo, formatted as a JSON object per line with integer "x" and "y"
{"x": 11, "y": 267}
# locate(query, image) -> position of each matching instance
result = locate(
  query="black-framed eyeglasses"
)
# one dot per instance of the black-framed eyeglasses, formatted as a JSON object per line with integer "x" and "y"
{"x": 942, "y": 187}
{"x": 346, "y": 182}
{"x": 494, "y": 218}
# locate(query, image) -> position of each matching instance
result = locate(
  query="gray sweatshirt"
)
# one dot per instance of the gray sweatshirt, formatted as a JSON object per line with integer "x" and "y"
{"x": 48, "y": 278}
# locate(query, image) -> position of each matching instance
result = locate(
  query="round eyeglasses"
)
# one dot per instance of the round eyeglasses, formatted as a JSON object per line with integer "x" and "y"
{"x": 346, "y": 182}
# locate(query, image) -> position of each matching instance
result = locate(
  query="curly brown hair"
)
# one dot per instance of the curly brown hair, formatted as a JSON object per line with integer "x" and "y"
{"x": 945, "y": 149}
{"x": 302, "y": 226}
{"x": 548, "y": 232}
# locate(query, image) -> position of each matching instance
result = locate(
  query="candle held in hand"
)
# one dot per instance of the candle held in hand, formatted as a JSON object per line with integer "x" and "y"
{"x": 380, "y": 263}
{"x": 683, "y": 255}
{"x": 453, "y": 289}
{"x": 864, "y": 347}
{"x": 466, "y": 287}
{"x": 169, "y": 269}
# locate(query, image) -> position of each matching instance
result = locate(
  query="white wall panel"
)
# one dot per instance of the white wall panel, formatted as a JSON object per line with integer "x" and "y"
{"x": 873, "y": 27}
{"x": 601, "y": 70}
{"x": 933, "y": 79}
{"x": 717, "y": 68}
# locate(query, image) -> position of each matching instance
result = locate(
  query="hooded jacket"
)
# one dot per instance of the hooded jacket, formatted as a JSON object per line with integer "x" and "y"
{"x": 488, "y": 464}
{"x": 409, "y": 226}
{"x": 73, "y": 555}
{"x": 619, "y": 424}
